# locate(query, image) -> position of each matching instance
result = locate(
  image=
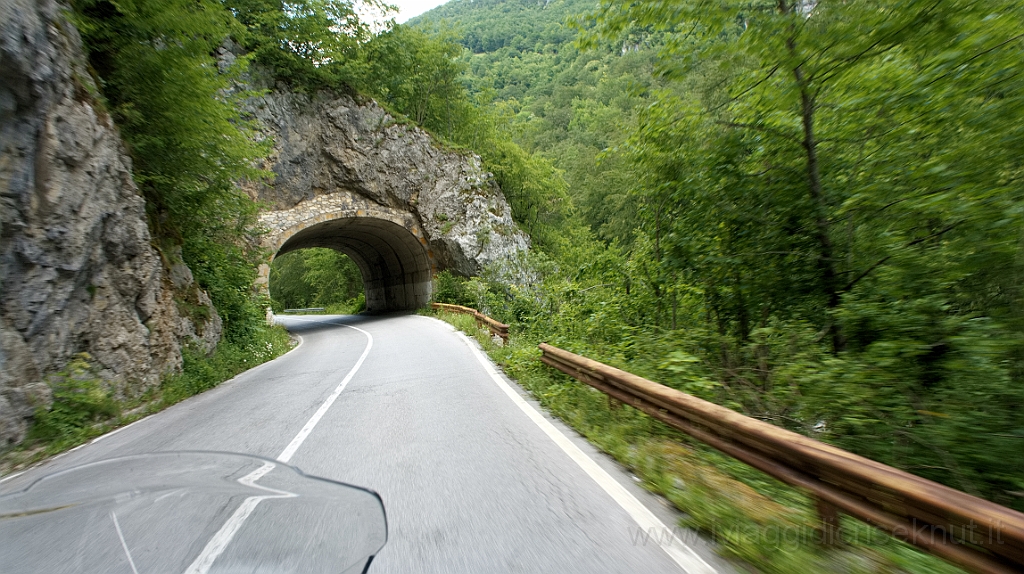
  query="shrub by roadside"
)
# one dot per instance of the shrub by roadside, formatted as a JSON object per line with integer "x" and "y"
{"x": 84, "y": 406}
{"x": 761, "y": 523}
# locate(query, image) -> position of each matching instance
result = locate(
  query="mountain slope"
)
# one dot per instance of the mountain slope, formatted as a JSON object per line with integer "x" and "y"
{"x": 567, "y": 104}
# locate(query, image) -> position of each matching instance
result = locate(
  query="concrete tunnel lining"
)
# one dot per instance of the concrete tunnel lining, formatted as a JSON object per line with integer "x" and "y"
{"x": 395, "y": 265}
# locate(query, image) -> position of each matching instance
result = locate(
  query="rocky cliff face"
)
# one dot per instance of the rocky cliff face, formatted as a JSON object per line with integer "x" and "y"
{"x": 333, "y": 144}
{"x": 78, "y": 272}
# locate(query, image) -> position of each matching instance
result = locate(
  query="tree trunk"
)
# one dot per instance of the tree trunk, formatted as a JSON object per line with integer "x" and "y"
{"x": 826, "y": 263}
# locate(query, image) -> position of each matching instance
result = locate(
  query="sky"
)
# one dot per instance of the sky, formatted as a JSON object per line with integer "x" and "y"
{"x": 410, "y": 8}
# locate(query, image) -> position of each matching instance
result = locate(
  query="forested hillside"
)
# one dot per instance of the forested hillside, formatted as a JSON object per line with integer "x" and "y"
{"x": 810, "y": 212}
{"x": 566, "y": 104}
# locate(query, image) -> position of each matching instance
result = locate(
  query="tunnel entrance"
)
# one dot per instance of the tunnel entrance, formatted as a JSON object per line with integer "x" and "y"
{"x": 316, "y": 277}
{"x": 394, "y": 263}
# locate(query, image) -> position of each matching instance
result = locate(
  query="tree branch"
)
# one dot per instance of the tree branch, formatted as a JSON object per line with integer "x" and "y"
{"x": 759, "y": 128}
{"x": 888, "y": 257}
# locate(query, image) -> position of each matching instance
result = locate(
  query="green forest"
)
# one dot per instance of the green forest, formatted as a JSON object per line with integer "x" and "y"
{"x": 811, "y": 212}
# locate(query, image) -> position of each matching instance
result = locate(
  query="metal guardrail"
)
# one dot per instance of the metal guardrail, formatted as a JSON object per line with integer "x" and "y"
{"x": 307, "y": 310}
{"x": 496, "y": 328}
{"x": 976, "y": 534}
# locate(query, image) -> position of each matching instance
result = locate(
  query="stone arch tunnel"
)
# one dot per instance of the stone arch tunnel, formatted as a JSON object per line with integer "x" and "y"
{"x": 347, "y": 176}
{"x": 389, "y": 248}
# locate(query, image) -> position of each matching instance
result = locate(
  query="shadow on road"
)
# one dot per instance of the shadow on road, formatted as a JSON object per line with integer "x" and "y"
{"x": 307, "y": 324}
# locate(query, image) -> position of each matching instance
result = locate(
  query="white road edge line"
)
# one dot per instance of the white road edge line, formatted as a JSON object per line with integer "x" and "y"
{"x": 223, "y": 537}
{"x": 682, "y": 554}
{"x": 117, "y": 430}
{"x": 10, "y": 476}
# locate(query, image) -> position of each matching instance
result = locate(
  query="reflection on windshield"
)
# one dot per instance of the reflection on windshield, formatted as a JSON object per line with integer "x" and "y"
{"x": 193, "y": 513}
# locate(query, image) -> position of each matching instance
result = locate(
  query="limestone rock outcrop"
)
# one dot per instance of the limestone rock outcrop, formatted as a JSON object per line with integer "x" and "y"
{"x": 78, "y": 272}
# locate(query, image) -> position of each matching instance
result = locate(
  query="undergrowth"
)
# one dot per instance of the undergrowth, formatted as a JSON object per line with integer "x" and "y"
{"x": 85, "y": 406}
{"x": 760, "y": 523}
{"x": 350, "y": 307}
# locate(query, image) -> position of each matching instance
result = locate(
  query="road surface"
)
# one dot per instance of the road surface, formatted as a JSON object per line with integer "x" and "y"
{"x": 474, "y": 477}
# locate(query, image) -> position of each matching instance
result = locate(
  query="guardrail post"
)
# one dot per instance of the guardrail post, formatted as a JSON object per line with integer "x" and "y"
{"x": 495, "y": 328}
{"x": 828, "y": 523}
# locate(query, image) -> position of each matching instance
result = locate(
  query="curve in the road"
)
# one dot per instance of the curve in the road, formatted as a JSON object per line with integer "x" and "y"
{"x": 410, "y": 408}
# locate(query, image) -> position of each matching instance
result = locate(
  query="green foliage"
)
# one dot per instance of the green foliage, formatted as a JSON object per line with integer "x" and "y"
{"x": 351, "y": 306}
{"x": 189, "y": 144}
{"x": 451, "y": 289}
{"x": 418, "y": 75}
{"x": 81, "y": 403}
{"x": 566, "y": 109}
{"x": 201, "y": 372}
{"x": 309, "y": 44}
{"x": 807, "y": 172}
{"x": 316, "y": 277}
{"x": 186, "y": 136}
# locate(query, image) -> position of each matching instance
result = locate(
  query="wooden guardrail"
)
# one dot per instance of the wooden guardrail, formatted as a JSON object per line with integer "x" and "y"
{"x": 973, "y": 533}
{"x": 496, "y": 328}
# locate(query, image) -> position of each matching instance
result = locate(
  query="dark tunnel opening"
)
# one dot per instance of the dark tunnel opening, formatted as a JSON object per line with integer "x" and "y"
{"x": 394, "y": 263}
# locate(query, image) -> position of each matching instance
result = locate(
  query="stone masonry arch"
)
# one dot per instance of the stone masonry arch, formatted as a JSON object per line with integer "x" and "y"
{"x": 350, "y": 177}
{"x": 387, "y": 245}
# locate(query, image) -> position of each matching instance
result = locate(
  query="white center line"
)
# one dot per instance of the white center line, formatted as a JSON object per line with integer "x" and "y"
{"x": 220, "y": 540}
{"x": 293, "y": 446}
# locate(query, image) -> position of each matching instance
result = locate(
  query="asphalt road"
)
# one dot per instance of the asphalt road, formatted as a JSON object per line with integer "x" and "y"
{"x": 474, "y": 477}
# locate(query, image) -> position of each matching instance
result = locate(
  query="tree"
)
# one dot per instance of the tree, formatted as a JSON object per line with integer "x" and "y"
{"x": 854, "y": 166}
{"x": 308, "y": 44}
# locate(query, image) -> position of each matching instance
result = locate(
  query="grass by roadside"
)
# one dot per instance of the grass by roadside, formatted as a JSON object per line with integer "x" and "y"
{"x": 84, "y": 407}
{"x": 763, "y": 525}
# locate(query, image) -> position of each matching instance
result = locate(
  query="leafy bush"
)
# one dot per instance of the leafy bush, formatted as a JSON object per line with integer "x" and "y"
{"x": 451, "y": 289}
{"x": 82, "y": 403}
{"x": 201, "y": 372}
